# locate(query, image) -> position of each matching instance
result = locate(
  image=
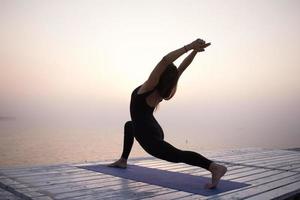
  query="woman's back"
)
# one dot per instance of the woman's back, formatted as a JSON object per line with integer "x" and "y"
{"x": 139, "y": 109}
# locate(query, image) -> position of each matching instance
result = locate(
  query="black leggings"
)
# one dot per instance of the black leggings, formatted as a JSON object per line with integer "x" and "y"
{"x": 161, "y": 149}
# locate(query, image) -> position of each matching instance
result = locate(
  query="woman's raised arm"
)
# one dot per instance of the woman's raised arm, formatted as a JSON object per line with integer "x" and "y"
{"x": 168, "y": 59}
{"x": 188, "y": 60}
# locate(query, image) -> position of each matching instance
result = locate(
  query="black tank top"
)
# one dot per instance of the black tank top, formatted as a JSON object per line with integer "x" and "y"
{"x": 139, "y": 109}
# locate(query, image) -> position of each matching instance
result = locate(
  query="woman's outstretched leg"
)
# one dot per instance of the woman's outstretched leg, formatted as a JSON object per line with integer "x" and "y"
{"x": 127, "y": 145}
{"x": 163, "y": 150}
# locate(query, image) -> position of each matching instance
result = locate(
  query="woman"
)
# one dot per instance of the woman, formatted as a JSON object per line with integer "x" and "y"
{"x": 162, "y": 84}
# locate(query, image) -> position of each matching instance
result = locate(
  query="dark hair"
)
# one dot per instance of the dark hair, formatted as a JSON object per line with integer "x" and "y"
{"x": 167, "y": 84}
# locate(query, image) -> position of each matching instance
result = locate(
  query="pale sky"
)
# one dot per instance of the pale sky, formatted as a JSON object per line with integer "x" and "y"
{"x": 80, "y": 60}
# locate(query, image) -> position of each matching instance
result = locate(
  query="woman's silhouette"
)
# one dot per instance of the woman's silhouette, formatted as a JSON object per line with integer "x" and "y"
{"x": 162, "y": 84}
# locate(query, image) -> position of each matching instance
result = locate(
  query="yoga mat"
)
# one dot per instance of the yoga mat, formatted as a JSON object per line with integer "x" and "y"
{"x": 174, "y": 180}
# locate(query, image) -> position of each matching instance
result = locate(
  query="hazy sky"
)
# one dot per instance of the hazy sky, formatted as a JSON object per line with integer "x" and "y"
{"x": 80, "y": 61}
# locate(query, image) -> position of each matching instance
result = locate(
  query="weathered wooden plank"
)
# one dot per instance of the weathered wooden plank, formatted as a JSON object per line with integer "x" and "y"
{"x": 140, "y": 192}
{"x": 272, "y": 164}
{"x": 23, "y": 192}
{"x": 168, "y": 196}
{"x": 285, "y": 159}
{"x": 56, "y": 171}
{"x": 263, "y": 160}
{"x": 18, "y": 168}
{"x": 33, "y": 169}
{"x": 256, "y": 155}
{"x": 250, "y": 173}
{"x": 137, "y": 193}
{"x": 92, "y": 183}
{"x": 50, "y": 177}
{"x": 99, "y": 188}
{"x": 39, "y": 183}
{"x": 192, "y": 197}
{"x": 259, "y": 187}
{"x": 270, "y": 153}
{"x": 72, "y": 183}
{"x": 4, "y": 194}
{"x": 281, "y": 192}
{"x": 291, "y": 167}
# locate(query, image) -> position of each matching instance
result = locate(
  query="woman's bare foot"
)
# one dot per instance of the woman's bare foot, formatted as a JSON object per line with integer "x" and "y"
{"x": 217, "y": 172}
{"x": 121, "y": 163}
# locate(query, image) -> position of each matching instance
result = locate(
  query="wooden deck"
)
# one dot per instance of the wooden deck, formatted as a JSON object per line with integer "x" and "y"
{"x": 272, "y": 173}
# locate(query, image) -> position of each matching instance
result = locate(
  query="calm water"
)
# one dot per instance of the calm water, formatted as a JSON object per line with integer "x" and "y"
{"x": 24, "y": 146}
{"x": 28, "y": 146}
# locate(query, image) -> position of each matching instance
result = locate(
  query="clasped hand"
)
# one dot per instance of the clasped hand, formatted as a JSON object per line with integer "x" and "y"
{"x": 199, "y": 45}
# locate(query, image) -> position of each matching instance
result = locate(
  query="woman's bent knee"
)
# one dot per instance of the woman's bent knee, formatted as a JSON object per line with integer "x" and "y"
{"x": 128, "y": 123}
{"x": 128, "y": 127}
